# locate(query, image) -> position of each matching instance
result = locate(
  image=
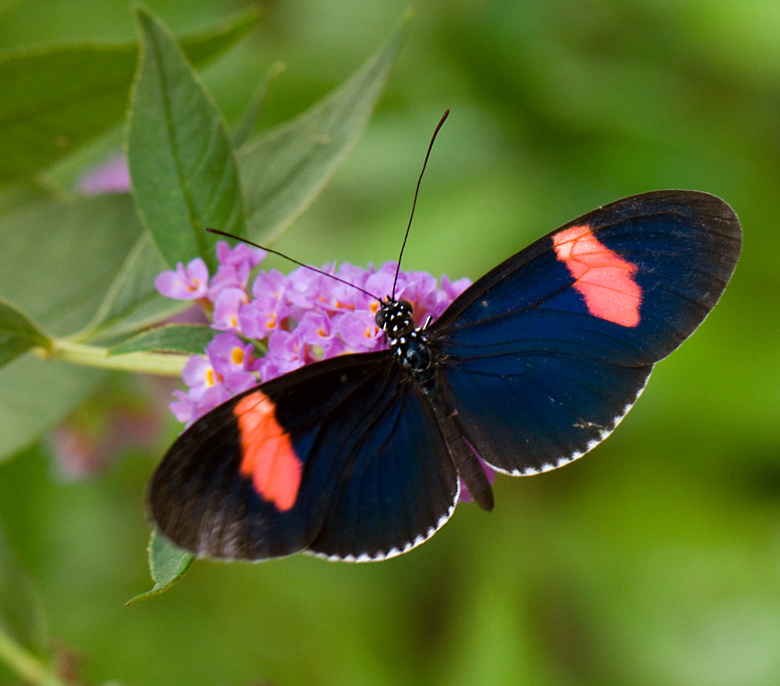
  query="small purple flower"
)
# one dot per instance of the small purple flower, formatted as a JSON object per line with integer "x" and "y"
{"x": 228, "y": 276}
{"x": 419, "y": 288}
{"x": 216, "y": 395}
{"x": 449, "y": 291}
{"x": 240, "y": 255}
{"x": 359, "y": 331}
{"x": 234, "y": 268}
{"x": 306, "y": 290}
{"x": 270, "y": 285}
{"x": 184, "y": 283}
{"x": 261, "y": 317}
{"x": 226, "y": 308}
{"x": 112, "y": 176}
{"x": 286, "y": 352}
{"x": 231, "y": 358}
{"x": 318, "y": 329}
{"x": 228, "y": 354}
{"x": 342, "y": 297}
{"x": 199, "y": 375}
{"x": 184, "y": 408}
{"x": 452, "y": 289}
{"x": 381, "y": 281}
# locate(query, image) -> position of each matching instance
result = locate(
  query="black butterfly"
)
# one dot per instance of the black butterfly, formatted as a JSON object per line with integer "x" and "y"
{"x": 357, "y": 457}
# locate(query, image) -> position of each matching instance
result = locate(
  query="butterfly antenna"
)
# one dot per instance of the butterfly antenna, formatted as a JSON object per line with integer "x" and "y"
{"x": 290, "y": 259}
{"x": 414, "y": 202}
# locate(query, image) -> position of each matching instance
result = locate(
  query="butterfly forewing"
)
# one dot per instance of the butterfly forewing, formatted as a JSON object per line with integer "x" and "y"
{"x": 547, "y": 352}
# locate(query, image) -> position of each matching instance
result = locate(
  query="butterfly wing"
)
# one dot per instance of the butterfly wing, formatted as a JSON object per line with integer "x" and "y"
{"x": 546, "y": 353}
{"x": 342, "y": 458}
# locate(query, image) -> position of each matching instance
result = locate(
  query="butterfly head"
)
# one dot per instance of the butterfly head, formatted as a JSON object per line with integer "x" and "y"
{"x": 395, "y": 318}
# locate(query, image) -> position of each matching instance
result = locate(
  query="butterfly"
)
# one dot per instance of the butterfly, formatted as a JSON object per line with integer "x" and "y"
{"x": 358, "y": 457}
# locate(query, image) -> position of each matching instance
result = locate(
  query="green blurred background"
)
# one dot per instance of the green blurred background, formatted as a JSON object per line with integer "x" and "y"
{"x": 655, "y": 560}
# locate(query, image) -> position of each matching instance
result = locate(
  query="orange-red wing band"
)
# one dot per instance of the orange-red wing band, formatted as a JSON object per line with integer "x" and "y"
{"x": 602, "y": 277}
{"x": 268, "y": 457}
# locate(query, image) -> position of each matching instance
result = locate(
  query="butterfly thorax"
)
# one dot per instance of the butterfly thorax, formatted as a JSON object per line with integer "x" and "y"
{"x": 409, "y": 344}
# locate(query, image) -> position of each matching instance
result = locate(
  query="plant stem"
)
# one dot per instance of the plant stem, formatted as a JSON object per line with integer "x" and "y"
{"x": 161, "y": 364}
{"x": 26, "y": 665}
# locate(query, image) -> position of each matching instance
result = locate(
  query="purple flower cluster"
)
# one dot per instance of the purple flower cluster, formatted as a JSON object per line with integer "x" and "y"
{"x": 282, "y": 322}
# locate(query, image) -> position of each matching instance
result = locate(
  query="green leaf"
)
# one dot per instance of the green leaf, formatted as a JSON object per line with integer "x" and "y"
{"x": 204, "y": 46}
{"x": 22, "y": 196}
{"x": 183, "y": 170}
{"x": 59, "y": 259}
{"x": 21, "y": 612}
{"x": 286, "y": 169}
{"x": 245, "y": 126}
{"x": 131, "y": 301}
{"x": 17, "y": 333}
{"x": 57, "y": 98}
{"x": 167, "y": 564}
{"x": 172, "y": 338}
{"x": 35, "y": 395}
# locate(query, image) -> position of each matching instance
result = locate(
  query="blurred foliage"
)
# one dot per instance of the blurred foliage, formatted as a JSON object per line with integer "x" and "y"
{"x": 654, "y": 560}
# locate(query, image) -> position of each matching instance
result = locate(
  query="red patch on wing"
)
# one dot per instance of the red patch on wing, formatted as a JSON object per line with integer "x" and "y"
{"x": 603, "y": 277}
{"x": 268, "y": 457}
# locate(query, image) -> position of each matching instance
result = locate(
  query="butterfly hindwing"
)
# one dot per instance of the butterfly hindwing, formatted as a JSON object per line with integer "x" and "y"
{"x": 546, "y": 353}
{"x": 533, "y": 414}
{"x": 401, "y": 487}
{"x": 340, "y": 458}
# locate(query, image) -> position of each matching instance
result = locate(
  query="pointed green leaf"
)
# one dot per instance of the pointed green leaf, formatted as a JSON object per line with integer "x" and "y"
{"x": 285, "y": 170}
{"x": 167, "y": 564}
{"x": 21, "y": 612}
{"x": 59, "y": 259}
{"x": 183, "y": 170}
{"x": 57, "y": 98}
{"x": 204, "y": 46}
{"x": 245, "y": 126}
{"x": 188, "y": 339}
{"x": 17, "y": 333}
{"x": 131, "y": 301}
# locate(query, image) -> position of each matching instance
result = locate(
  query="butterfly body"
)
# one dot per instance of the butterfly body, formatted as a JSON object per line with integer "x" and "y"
{"x": 358, "y": 457}
{"x": 411, "y": 349}
{"x": 409, "y": 346}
